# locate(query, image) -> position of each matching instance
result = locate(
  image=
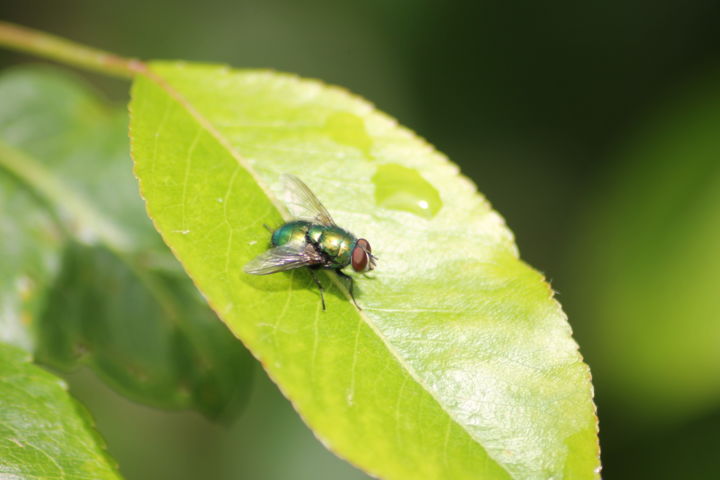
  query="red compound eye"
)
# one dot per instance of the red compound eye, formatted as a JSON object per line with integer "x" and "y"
{"x": 364, "y": 244}
{"x": 359, "y": 259}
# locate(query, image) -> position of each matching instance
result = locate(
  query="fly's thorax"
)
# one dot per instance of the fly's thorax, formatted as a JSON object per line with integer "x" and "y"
{"x": 315, "y": 232}
{"x": 294, "y": 231}
{"x": 335, "y": 242}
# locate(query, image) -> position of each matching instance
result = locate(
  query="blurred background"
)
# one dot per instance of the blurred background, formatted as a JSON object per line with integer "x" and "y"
{"x": 592, "y": 127}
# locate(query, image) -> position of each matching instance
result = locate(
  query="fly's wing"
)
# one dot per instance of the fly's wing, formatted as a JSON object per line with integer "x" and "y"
{"x": 302, "y": 202}
{"x": 282, "y": 258}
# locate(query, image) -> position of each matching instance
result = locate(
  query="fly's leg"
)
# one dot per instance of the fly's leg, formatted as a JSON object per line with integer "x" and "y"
{"x": 267, "y": 228}
{"x": 350, "y": 288}
{"x": 317, "y": 282}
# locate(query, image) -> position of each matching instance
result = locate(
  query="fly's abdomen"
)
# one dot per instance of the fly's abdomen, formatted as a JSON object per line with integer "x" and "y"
{"x": 290, "y": 232}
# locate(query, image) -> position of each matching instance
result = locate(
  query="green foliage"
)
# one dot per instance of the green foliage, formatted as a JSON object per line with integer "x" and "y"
{"x": 44, "y": 432}
{"x": 85, "y": 278}
{"x": 460, "y": 364}
{"x": 650, "y": 252}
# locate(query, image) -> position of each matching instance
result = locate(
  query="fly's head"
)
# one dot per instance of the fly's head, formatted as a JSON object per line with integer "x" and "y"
{"x": 362, "y": 259}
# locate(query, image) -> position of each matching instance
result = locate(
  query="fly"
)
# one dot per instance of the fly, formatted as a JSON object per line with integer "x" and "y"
{"x": 313, "y": 240}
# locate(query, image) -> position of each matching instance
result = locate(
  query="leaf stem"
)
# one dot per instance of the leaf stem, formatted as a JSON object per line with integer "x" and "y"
{"x": 25, "y": 39}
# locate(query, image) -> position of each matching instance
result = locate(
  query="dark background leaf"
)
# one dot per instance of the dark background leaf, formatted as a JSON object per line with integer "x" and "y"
{"x": 651, "y": 268}
{"x": 99, "y": 287}
{"x": 44, "y": 432}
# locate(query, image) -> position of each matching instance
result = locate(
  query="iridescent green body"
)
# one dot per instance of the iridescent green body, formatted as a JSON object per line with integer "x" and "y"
{"x": 334, "y": 243}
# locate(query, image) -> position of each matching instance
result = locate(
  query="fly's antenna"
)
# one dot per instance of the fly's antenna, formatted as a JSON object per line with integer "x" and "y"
{"x": 373, "y": 259}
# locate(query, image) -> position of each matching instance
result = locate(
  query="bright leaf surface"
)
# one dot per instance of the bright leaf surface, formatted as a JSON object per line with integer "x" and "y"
{"x": 85, "y": 278}
{"x": 460, "y": 365}
{"x": 44, "y": 432}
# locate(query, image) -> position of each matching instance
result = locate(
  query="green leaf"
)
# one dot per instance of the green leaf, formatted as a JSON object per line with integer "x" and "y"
{"x": 651, "y": 253}
{"x": 29, "y": 252}
{"x": 44, "y": 432}
{"x": 460, "y": 365}
{"x": 87, "y": 280}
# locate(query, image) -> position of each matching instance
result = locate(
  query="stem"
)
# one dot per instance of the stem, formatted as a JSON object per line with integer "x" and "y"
{"x": 56, "y": 48}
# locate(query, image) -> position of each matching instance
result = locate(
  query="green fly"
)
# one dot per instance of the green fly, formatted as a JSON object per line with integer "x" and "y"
{"x": 313, "y": 240}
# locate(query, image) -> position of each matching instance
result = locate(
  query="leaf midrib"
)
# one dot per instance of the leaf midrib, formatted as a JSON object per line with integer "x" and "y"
{"x": 63, "y": 198}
